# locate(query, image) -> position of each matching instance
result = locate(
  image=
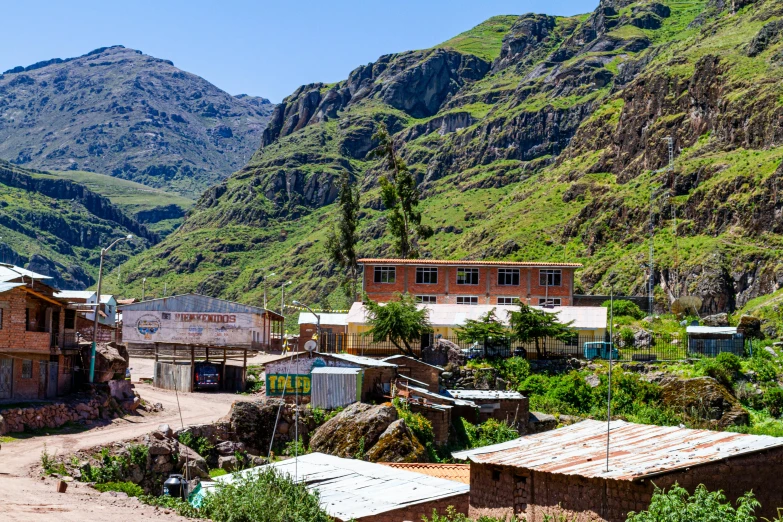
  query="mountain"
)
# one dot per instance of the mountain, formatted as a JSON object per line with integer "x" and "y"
{"x": 118, "y": 111}
{"x": 56, "y": 227}
{"x": 533, "y": 137}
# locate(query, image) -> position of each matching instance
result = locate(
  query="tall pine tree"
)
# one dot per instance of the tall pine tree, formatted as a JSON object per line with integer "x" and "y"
{"x": 341, "y": 241}
{"x": 400, "y": 196}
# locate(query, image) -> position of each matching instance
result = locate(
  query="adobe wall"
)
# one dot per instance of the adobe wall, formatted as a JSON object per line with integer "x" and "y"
{"x": 416, "y": 512}
{"x": 440, "y": 418}
{"x": 373, "y": 378}
{"x": 500, "y": 491}
{"x": 508, "y": 410}
{"x": 420, "y": 372}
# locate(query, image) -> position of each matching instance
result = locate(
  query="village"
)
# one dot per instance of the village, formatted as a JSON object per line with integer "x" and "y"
{"x": 351, "y": 415}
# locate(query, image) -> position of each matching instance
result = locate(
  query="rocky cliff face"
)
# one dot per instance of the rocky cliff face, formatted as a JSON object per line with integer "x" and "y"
{"x": 118, "y": 111}
{"x": 55, "y": 226}
{"x": 543, "y": 138}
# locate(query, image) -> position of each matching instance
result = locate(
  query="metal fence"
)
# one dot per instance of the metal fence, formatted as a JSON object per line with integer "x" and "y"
{"x": 668, "y": 347}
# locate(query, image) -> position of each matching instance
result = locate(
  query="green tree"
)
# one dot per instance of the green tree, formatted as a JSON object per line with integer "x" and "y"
{"x": 342, "y": 240}
{"x": 531, "y": 324}
{"x": 400, "y": 321}
{"x": 624, "y": 307}
{"x": 677, "y": 505}
{"x": 479, "y": 330}
{"x": 400, "y": 196}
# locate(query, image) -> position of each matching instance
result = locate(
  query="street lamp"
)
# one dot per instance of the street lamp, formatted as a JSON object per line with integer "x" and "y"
{"x": 318, "y": 321}
{"x": 143, "y": 287}
{"x": 282, "y": 296}
{"x": 98, "y": 306}
{"x": 267, "y": 276}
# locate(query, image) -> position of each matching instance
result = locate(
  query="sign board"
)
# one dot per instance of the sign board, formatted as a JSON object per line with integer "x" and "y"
{"x": 281, "y": 384}
{"x": 219, "y": 329}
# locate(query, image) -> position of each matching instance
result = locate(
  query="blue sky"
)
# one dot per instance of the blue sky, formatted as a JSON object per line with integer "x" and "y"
{"x": 255, "y": 47}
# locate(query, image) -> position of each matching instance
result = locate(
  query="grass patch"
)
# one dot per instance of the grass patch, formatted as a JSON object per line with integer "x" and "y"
{"x": 484, "y": 40}
{"x": 133, "y": 490}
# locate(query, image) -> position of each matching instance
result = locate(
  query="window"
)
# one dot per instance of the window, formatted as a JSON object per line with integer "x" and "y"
{"x": 508, "y": 300}
{"x": 385, "y": 274}
{"x": 467, "y": 276}
{"x": 549, "y": 277}
{"x": 426, "y": 299}
{"x": 508, "y": 276}
{"x": 426, "y": 276}
{"x": 27, "y": 369}
{"x": 467, "y": 300}
{"x": 549, "y": 301}
{"x": 70, "y": 319}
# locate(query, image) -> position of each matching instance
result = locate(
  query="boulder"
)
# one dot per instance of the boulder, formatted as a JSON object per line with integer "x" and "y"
{"x": 357, "y": 427}
{"x": 716, "y": 320}
{"x": 397, "y": 444}
{"x": 771, "y": 351}
{"x": 161, "y": 447}
{"x": 642, "y": 339}
{"x": 254, "y": 422}
{"x": 750, "y": 326}
{"x": 704, "y": 400}
{"x": 228, "y": 463}
{"x": 3, "y": 426}
{"x": 121, "y": 389}
{"x": 538, "y": 422}
{"x": 110, "y": 360}
{"x": 593, "y": 380}
{"x": 165, "y": 429}
{"x": 191, "y": 462}
{"x": 229, "y": 448}
{"x": 443, "y": 353}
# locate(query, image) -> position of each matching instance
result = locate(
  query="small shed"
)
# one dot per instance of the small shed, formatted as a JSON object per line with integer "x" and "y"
{"x": 712, "y": 340}
{"x": 427, "y": 374}
{"x": 335, "y": 387}
{"x": 508, "y": 406}
{"x": 334, "y": 326}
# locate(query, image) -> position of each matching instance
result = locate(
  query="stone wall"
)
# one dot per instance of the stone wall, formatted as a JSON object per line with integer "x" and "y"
{"x": 54, "y": 415}
{"x": 501, "y": 491}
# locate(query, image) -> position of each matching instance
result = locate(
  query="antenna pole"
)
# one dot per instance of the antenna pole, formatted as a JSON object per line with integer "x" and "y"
{"x": 651, "y": 279}
{"x": 609, "y": 392}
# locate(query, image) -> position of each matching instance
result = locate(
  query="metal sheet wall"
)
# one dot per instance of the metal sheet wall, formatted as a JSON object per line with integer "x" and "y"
{"x": 335, "y": 390}
{"x": 170, "y": 376}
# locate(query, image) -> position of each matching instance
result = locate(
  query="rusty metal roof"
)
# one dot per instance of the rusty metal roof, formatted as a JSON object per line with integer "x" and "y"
{"x": 456, "y": 472}
{"x": 457, "y": 262}
{"x": 636, "y": 451}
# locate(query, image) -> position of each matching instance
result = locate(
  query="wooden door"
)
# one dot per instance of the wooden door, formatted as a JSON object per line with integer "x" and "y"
{"x": 6, "y": 373}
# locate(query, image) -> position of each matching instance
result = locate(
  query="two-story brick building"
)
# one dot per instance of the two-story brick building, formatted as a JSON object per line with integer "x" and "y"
{"x": 34, "y": 359}
{"x": 434, "y": 281}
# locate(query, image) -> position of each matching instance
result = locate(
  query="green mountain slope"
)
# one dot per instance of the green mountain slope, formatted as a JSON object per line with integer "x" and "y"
{"x": 161, "y": 211}
{"x": 546, "y": 147}
{"x": 130, "y": 115}
{"x": 56, "y": 227}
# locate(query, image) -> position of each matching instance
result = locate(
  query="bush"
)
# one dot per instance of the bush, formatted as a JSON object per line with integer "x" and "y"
{"x": 729, "y": 361}
{"x": 293, "y": 448}
{"x": 773, "y": 401}
{"x": 200, "y": 445}
{"x": 623, "y": 307}
{"x": 762, "y": 364}
{"x": 489, "y": 432}
{"x": 133, "y": 490}
{"x": 677, "y": 505}
{"x": 572, "y": 389}
{"x": 627, "y": 336}
{"x": 513, "y": 370}
{"x": 723, "y": 368}
{"x": 536, "y": 384}
{"x": 138, "y": 454}
{"x": 452, "y": 516}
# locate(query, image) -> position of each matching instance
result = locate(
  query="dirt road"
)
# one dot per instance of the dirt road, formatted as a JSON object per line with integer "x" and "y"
{"x": 23, "y": 498}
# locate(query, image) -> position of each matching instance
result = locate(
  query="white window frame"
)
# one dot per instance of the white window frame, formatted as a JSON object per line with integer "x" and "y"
{"x": 509, "y": 272}
{"x": 468, "y": 271}
{"x": 553, "y": 301}
{"x": 379, "y": 271}
{"x": 426, "y": 299}
{"x": 509, "y": 300}
{"x": 471, "y": 298}
{"x": 428, "y": 271}
{"x": 544, "y": 276}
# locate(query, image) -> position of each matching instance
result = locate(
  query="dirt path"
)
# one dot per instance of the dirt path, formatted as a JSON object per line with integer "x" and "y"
{"x": 23, "y": 498}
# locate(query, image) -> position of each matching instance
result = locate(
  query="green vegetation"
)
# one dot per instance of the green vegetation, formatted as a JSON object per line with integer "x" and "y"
{"x": 489, "y": 432}
{"x": 341, "y": 242}
{"x": 531, "y": 324}
{"x": 399, "y": 321}
{"x": 484, "y": 40}
{"x": 624, "y": 308}
{"x": 677, "y": 505}
{"x": 217, "y": 472}
{"x": 482, "y": 329}
{"x": 200, "y": 445}
{"x": 451, "y": 515}
{"x": 133, "y": 490}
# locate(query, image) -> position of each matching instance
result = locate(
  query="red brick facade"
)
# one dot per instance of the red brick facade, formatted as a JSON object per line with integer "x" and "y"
{"x": 501, "y": 491}
{"x": 446, "y": 289}
{"x": 417, "y": 370}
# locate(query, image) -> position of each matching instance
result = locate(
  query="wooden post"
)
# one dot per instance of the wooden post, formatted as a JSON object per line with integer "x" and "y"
{"x": 223, "y": 378}
{"x": 156, "y": 352}
{"x": 244, "y": 369}
{"x": 207, "y": 349}
{"x": 192, "y": 367}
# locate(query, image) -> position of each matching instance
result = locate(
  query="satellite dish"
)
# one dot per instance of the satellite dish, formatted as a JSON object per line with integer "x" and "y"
{"x": 311, "y": 345}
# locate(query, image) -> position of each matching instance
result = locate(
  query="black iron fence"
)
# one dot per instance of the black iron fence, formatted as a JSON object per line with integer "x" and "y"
{"x": 669, "y": 347}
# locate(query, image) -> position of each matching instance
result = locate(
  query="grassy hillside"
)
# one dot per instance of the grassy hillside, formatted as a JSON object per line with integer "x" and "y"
{"x": 550, "y": 152}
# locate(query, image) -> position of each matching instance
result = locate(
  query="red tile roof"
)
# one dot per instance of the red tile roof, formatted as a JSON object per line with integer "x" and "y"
{"x": 455, "y": 472}
{"x": 457, "y": 262}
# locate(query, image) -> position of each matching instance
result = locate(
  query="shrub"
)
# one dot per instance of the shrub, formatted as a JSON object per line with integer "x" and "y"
{"x": 627, "y": 336}
{"x": 452, "y": 516}
{"x": 536, "y": 384}
{"x": 765, "y": 369}
{"x": 133, "y": 490}
{"x": 177, "y": 505}
{"x": 489, "y": 432}
{"x": 295, "y": 448}
{"x": 138, "y": 454}
{"x": 723, "y": 368}
{"x": 419, "y": 425}
{"x": 773, "y": 401}
{"x": 572, "y": 389}
{"x": 623, "y": 307}
{"x": 729, "y": 361}
{"x": 677, "y": 505}
{"x": 200, "y": 445}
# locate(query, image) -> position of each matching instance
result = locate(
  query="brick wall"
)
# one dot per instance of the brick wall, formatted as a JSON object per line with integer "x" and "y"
{"x": 507, "y": 410}
{"x": 14, "y": 337}
{"x": 307, "y": 330}
{"x": 440, "y": 419}
{"x": 420, "y": 372}
{"x": 373, "y": 380}
{"x": 416, "y": 512}
{"x": 487, "y": 290}
{"x": 501, "y": 491}
{"x": 27, "y": 388}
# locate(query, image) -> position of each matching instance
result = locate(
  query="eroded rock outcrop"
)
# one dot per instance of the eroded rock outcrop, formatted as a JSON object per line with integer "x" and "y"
{"x": 354, "y": 430}
{"x": 705, "y": 401}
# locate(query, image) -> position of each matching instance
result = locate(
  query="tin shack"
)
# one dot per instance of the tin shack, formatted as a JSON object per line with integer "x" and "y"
{"x": 712, "y": 340}
{"x": 191, "y": 331}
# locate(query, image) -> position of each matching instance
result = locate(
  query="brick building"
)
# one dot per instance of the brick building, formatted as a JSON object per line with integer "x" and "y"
{"x": 470, "y": 282}
{"x": 36, "y": 354}
{"x": 427, "y": 375}
{"x": 334, "y": 326}
{"x": 506, "y": 406}
{"x": 563, "y": 472}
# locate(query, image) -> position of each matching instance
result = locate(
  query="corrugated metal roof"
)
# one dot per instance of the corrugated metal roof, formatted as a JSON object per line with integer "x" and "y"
{"x": 456, "y": 472}
{"x": 74, "y": 294}
{"x": 336, "y": 369}
{"x": 4, "y": 287}
{"x": 12, "y": 272}
{"x": 335, "y": 319}
{"x": 364, "y": 361}
{"x": 195, "y": 303}
{"x": 409, "y": 358}
{"x": 351, "y": 488}
{"x": 583, "y": 317}
{"x": 483, "y": 394}
{"x": 425, "y": 262}
{"x": 725, "y": 330}
{"x": 635, "y": 451}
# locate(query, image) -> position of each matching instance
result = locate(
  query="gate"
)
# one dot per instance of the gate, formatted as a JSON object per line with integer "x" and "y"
{"x": 51, "y": 387}
{"x": 6, "y": 371}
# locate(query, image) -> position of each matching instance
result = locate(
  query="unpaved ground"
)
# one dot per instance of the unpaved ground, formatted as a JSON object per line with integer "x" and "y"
{"x": 24, "y": 497}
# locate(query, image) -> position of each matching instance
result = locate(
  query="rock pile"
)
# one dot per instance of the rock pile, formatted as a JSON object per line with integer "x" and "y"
{"x": 704, "y": 400}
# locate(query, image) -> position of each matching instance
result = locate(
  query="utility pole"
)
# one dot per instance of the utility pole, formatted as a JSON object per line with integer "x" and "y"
{"x": 282, "y": 296}
{"x": 267, "y": 276}
{"x": 143, "y": 287}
